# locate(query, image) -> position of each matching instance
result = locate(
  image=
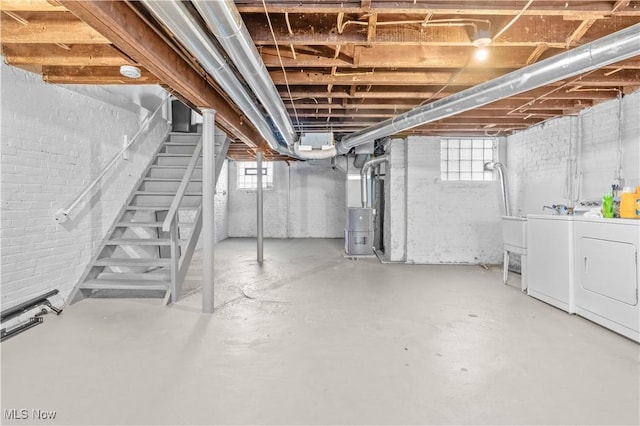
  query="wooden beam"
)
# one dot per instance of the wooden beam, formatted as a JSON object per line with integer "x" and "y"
{"x": 93, "y": 75}
{"x": 537, "y": 52}
{"x": 53, "y": 54}
{"x": 434, "y": 78}
{"x": 387, "y": 56}
{"x": 619, "y": 5}
{"x": 117, "y": 22}
{"x": 30, "y": 6}
{"x": 506, "y": 8}
{"x": 399, "y": 95}
{"x": 56, "y": 27}
{"x": 371, "y": 27}
{"x": 582, "y": 29}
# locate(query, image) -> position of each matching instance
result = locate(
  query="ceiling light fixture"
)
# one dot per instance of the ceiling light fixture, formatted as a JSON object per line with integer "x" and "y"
{"x": 130, "y": 71}
{"x": 481, "y": 39}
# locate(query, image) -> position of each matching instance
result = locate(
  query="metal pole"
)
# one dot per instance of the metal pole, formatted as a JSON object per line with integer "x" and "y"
{"x": 259, "y": 205}
{"x": 208, "y": 207}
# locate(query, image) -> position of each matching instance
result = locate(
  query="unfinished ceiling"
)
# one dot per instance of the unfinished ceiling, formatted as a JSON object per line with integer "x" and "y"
{"x": 339, "y": 66}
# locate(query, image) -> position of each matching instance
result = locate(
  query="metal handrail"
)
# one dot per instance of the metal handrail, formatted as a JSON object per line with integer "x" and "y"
{"x": 62, "y": 215}
{"x": 175, "y": 204}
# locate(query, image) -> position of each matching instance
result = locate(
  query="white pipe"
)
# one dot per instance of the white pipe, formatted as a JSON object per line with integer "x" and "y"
{"x": 613, "y": 48}
{"x": 208, "y": 208}
{"x": 259, "y": 204}
{"x": 314, "y": 154}
{"x": 499, "y": 167}
{"x": 364, "y": 188}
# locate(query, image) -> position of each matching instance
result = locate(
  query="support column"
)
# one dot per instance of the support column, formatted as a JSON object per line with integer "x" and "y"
{"x": 208, "y": 207}
{"x": 259, "y": 194}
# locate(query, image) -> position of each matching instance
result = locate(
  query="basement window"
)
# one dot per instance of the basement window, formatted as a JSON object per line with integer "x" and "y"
{"x": 248, "y": 175}
{"x": 463, "y": 159}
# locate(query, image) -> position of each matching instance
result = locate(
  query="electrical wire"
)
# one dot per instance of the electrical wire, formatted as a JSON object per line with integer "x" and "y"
{"x": 448, "y": 83}
{"x": 515, "y": 18}
{"x": 286, "y": 80}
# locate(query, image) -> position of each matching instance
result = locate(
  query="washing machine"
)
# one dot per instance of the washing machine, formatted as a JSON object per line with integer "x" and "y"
{"x": 550, "y": 270}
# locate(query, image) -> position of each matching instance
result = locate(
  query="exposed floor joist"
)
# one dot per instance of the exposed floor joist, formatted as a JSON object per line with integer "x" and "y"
{"x": 346, "y": 63}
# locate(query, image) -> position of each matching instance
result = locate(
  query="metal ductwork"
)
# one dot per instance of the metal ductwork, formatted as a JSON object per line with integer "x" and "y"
{"x": 364, "y": 175}
{"x": 177, "y": 18}
{"x": 502, "y": 176}
{"x": 227, "y": 25}
{"x": 613, "y": 48}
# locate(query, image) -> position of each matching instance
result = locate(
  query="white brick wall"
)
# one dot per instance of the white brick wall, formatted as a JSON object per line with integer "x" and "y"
{"x": 307, "y": 201}
{"x": 537, "y": 158}
{"x": 54, "y": 142}
{"x": 448, "y": 222}
{"x": 222, "y": 204}
{"x": 395, "y": 216}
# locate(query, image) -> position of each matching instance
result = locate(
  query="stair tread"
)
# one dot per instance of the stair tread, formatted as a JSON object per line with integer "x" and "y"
{"x": 141, "y": 224}
{"x": 159, "y": 166}
{"x": 156, "y": 208}
{"x": 173, "y": 143}
{"x": 113, "y": 261}
{"x": 142, "y": 241}
{"x": 139, "y": 242}
{"x": 155, "y": 179}
{"x": 148, "y": 224}
{"x": 169, "y": 154}
{"x": 98, "y": 284}
{"x": 160, "y": 275}
{"x": 164, "y": 193}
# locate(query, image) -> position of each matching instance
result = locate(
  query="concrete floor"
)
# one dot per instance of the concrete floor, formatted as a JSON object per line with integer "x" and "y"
{"x": 315, "y": 338}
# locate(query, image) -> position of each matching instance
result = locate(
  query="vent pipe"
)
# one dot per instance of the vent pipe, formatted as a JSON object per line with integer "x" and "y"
{"x": 613, "y": 48}
{"x": 226, "y": 24}
{"x": 366, "y": 197}
{"x": 177, "y": 18}
{"x": 502, "y": 177}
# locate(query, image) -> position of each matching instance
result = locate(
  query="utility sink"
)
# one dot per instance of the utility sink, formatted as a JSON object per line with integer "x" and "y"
{"x": 514, "y": 234}
{"x": 514, "y": 238}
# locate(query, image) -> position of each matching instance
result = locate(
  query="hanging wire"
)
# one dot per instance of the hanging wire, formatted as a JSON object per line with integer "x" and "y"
{"x": 515, "y": 18}
{"x": 286, "y": 80}
{"x": 449, "y": 82}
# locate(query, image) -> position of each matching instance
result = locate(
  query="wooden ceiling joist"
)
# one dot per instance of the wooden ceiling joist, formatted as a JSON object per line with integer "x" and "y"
{"x": 447, "y": 7}
{"x": 93, "y": 75}
{"x": 57, "y": 27}
{"x": 417, "y": 78}
{"x": 31, "y": 6}
{"x": 116, "y": 21}
{"x": 348, "y": 63}
{"x": 54, "y": 54}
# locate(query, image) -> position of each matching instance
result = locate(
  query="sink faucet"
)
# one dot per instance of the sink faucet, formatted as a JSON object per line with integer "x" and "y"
{"x": 559, "y": 209}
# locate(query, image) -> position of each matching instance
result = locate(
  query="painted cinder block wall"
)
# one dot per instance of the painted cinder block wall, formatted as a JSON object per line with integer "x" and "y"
{"x": 307, "y": 201}
{"x": 432, "y": 221}
{"x": 55, "y": 140}
{"x": 575, "y": 158}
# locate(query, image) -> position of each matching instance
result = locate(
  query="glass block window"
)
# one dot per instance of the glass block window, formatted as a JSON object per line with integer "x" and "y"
{"x": 464, "y": 159}
{"x": 248, "y": 175}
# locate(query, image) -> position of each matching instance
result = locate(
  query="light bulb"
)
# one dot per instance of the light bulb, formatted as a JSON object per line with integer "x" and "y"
{"x": 482, "y": 53}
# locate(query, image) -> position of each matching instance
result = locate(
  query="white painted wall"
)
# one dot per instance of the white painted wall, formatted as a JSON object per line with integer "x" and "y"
{"x": 55, "y": 140}
{"x": 573, "y": 158}
{"x": 222, "y": 204}
{"x": 432, "y": 221}
{"x": 307, "y": 201}
{"x": 395, "y": 215}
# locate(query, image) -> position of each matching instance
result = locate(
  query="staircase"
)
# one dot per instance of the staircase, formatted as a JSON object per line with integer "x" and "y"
{"x": 148, "y": 249}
